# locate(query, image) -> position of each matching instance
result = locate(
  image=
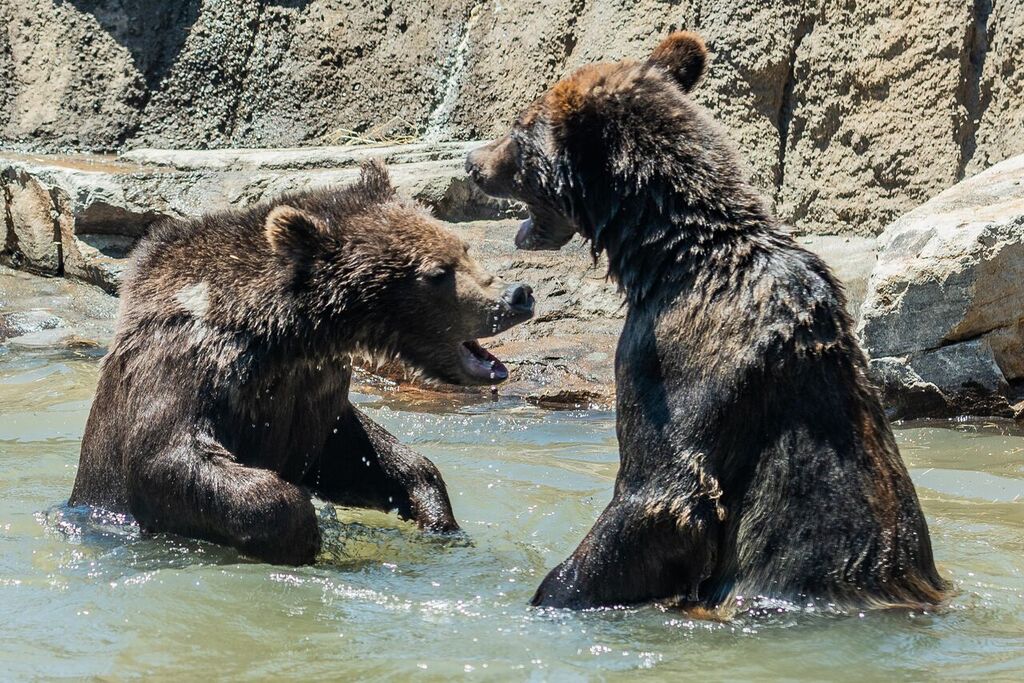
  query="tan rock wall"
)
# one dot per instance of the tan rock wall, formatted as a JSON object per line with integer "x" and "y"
{"x": 850, "y": 113}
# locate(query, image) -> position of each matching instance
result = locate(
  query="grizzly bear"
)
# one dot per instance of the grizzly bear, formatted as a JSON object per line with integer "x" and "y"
{"x": 223, "y": 403}
{"x": 755, "y": 458}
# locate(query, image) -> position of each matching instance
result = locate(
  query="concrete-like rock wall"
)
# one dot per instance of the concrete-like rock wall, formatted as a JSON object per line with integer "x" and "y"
{"x": 850, "y": 113}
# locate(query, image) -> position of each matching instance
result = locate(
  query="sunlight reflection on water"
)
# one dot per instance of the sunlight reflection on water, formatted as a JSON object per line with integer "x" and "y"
{"x": 85, "y": 594}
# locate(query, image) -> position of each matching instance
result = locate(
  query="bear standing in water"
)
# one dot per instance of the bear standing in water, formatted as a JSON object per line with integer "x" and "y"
{"x": 223, "y": 400}
{"x": 756, "y": 459}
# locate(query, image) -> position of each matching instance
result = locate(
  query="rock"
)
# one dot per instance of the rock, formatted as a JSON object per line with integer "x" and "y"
{"x": 944, "y": 314}
{"x": 993, "y": 84}
{"x": 875, "y": 120}
{"x": 43, "y": 313}
{"x": 75, "y": 214}
{"x": 851, "y": 258}
{"x": 850, "y": 113}
{"x": 563, "y": 358}
{"x": 31, "y": 228}
{"x": 81, "y": 214}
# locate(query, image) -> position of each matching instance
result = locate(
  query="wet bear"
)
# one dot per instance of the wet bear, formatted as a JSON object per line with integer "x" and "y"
{"x": 756, "y": 460}
{"x": 223, "y": 404}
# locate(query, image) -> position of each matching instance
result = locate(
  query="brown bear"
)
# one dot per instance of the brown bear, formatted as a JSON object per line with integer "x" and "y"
{"x": 755, "y": 458}
{"x": 223, "y": 400}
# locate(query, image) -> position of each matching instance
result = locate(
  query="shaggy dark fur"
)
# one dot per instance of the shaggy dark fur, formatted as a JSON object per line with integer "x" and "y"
{"x": 223, "y": 401}
{"x": 756, "y": 460}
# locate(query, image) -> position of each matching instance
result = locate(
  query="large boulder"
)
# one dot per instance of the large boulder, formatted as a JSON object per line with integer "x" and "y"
{"x": 943, "y": 320}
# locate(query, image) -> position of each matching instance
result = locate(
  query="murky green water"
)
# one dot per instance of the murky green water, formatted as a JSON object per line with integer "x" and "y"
{"x": 85, "y": 597}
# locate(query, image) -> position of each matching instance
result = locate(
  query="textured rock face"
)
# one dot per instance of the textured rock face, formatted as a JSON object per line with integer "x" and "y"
{"x": 944, "y": 315}
{"x": 850, "y": 113}
{"x": 877, "y": 111}
{"x": 992, "y": 93}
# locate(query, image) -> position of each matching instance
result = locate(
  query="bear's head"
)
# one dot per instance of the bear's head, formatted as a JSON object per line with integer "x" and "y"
{"x": 386, "y": 278}
{"x": 597, "y": 137}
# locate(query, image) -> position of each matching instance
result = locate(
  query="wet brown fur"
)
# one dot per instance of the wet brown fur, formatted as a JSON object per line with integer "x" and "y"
{"x": 756, "y": 459}
{"x": 223, "y": 403}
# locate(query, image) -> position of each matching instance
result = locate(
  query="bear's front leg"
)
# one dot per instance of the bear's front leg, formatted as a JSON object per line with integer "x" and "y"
{"x": 196, "y": 488}
{"x": 365, "y": 466}
{"x": 636, "y": 552}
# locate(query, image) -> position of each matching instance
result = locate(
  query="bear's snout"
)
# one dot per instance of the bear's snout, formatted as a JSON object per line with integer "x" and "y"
{"x": 493, "y": 166}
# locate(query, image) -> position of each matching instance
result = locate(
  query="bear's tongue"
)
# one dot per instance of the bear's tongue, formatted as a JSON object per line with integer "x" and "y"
{"x": 524, "y": 235}
{"x": 480, "y": 363}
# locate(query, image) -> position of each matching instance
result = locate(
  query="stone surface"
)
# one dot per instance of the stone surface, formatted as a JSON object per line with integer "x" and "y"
{"x": 563, "y": 358}
{"x": 994, "y": 83}
{"x": 944, "y": 313}
{"x": 94, "y": 207}
{"x": 30, "y": 225}
{"x": 44, "y": 313}
{"x": 850, "y": 113}
{"x": 877, "y": 110}
{"x": 851, "y": 258}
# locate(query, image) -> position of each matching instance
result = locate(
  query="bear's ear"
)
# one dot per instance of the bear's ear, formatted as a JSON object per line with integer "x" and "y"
{"x": 293, "y": 233}
{"x": 684, "y": 56}
{"x": 375, "y": 182}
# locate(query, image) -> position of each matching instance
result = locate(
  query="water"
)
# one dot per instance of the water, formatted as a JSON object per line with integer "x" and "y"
{"x": 88, "y": 597}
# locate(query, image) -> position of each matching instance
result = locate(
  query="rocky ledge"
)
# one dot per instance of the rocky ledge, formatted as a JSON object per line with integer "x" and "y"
{"x": 942, "y": 320}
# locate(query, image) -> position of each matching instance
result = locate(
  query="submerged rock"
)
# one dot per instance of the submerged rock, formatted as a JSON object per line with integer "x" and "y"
{"x": 42, "y": 313}
{"x": 943, "y": 320}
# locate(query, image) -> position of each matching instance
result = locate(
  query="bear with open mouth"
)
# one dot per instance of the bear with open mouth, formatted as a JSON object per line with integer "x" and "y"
{"x": 755, "y": 458}
{"x": 222, "y": 403}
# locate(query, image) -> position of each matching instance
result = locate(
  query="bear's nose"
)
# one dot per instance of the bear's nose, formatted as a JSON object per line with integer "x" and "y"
{"x": 473, "y": 164}
{"x": 519, "y": 297}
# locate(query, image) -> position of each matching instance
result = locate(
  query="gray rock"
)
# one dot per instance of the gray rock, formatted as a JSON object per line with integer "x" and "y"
{"x": 851, "y": 258}
{"x": 959, "y": 379}
{"x": 44, "y": 313}
{"x": 965, "y": 365}
{"x": 30, "y": 217}
{"x": 946, "y": 299}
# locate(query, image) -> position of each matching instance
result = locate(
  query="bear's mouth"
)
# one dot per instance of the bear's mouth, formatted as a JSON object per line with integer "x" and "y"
{"x": 480, "y": 364}
{"x": 534, "y": 235}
